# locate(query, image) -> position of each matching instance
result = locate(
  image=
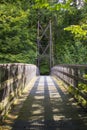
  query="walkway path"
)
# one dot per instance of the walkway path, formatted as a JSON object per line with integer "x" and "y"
{"x": 49, "y": 107}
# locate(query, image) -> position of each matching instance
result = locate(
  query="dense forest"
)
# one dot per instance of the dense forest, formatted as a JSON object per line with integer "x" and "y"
{"x": 18, "y": 30}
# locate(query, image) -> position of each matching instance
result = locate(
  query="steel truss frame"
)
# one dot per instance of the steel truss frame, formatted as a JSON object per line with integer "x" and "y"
{"x": 47, "y": 50}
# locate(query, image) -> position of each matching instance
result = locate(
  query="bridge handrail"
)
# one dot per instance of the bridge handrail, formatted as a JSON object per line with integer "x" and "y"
{"x": 14, "y": 78}
{"x": 75, "y": 72}
{"x": 72, "y": 75}
{"x": 73, "y": 65}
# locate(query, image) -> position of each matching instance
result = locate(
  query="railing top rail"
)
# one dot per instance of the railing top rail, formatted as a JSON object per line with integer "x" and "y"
{"x": 72, "y": 65}
{"x": 17, "y": 64}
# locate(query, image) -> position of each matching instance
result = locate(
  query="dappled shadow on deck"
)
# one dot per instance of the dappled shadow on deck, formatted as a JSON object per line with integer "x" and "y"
{"x": 49, "y": 107}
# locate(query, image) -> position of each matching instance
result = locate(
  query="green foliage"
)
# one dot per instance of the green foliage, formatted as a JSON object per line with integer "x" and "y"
{"x": 79, "y": 31}
{"x": 77, "y": 96}
{"x": 85, "y": 76}
{"x": 17, "y": 37}
{"x": 70, "y": 48}
{"x": 83, "y": 87}
{"x": 39, "y": 4}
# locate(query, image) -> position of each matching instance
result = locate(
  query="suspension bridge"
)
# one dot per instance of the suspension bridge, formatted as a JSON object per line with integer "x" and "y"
{"x": 31, "y": 101}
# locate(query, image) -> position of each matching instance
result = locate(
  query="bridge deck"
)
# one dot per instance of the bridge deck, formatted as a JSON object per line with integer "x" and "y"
{"x": 48, "y": 106}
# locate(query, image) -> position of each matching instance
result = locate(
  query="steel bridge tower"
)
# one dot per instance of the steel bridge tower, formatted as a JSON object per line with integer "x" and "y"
{"x": 44, "y": 46}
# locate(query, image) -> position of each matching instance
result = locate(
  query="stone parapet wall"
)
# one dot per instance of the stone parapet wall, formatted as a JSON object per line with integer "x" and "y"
{"x": 13, "y": 79}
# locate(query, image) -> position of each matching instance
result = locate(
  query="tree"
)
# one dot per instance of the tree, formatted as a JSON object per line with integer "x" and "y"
{"x": 16, "y": 42}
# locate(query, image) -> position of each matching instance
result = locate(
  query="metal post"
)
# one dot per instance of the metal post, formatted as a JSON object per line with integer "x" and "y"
{"x": 51, "y": 47}
{"x": 38, "y": 61}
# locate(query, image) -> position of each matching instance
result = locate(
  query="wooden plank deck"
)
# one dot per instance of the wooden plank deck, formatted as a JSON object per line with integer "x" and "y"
{"x": 46, "y": 106}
